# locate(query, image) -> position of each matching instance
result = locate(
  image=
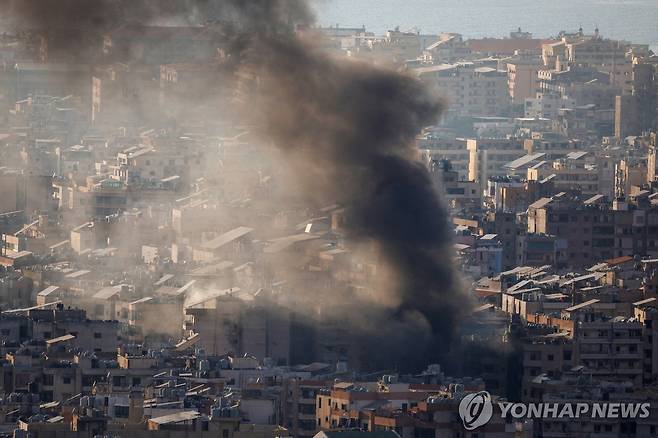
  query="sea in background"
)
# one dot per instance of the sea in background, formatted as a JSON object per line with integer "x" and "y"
{"x": 630, "y": 20}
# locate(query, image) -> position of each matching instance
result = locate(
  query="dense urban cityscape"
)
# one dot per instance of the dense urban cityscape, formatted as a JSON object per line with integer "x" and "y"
{"x": 222, "y": 219}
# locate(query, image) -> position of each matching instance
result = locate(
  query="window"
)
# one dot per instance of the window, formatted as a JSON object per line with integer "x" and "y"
{"x": 97, "y": 335}
{"x": 121, "y": 411}
{"x": 306, "y": 409}
{"x": 66, "y": 380}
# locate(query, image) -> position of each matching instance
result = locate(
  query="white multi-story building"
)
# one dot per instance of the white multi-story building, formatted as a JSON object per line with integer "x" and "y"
{"x": 470, "y": 89}
{"x": 545, "y": 105}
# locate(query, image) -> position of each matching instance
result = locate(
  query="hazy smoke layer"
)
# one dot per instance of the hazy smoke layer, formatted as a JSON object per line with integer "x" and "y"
{"x": 104, "y": 14}
{"x": 348, "y": 131}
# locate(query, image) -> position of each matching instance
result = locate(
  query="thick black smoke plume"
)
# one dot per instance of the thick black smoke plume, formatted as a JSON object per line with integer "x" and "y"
{"x": 347, "y": 130}
{"x": 351, "y": 129}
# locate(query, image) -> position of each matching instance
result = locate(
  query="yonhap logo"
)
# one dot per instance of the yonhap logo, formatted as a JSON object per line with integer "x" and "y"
{"x": 475, "y": 410}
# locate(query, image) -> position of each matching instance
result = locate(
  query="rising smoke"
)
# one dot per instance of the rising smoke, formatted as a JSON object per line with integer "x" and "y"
{"x": 347, "y": 131}
{"x": 96, "y": 16}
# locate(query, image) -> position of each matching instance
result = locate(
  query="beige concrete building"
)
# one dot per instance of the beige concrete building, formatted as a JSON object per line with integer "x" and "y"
{"x": 575, "y": 172}
{"x": 606, "y": 55}
{"x": 652, "y": 157}
{"x": 630, "y": 176}
{"x": 299, "y": 406}
{"x": 470, "y": 89}
{"x": 522, "y": 79}
{"x": 451, "y": 149}
{"x": 408, "y": 412}
{"x": 231, "y": 321}
{"x": 487, "y": 158}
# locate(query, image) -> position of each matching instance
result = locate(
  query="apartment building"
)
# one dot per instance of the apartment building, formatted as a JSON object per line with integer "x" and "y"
{"x": 299, "y": 406}
{"x": 408, "y": 413}
{"x": 547, "y": 105}
{"x": 453, "y": 149}
{"x": 341, "y": 406}
{"x": 470, "y": 89}
{"x": 459, "y": 193}
{"x": 572, "y": 173}
{"x": 585, "y": 86}
{"x": 450, "y": 47}
{"x": 241, "y": 323}
{"x": 597, "y": 230}
{"x": 487, "y": 157}
{"x": 522, "y": 79}
{"x": 605, "y": 55}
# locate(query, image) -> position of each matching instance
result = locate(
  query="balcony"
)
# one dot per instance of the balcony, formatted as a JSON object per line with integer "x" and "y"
{"x": 595, "y": 355}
